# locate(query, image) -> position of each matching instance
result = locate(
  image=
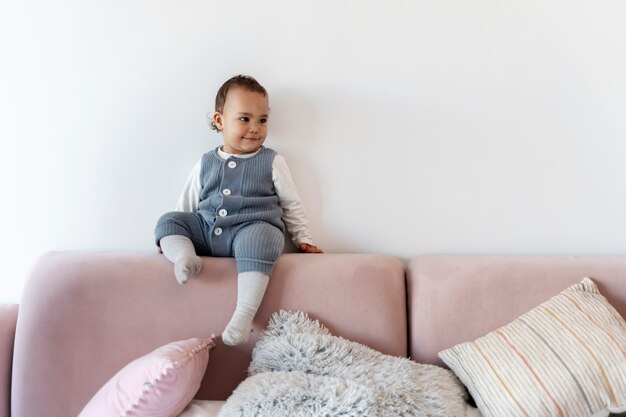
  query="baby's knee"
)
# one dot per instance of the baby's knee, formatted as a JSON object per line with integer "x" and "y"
{"x": 260, "y": 241}
{"x": 169, "y": 217}
{"x": 172, "y": 223}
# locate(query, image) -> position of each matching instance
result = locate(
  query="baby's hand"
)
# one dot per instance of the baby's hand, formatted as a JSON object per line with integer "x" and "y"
{"x": 306, "y": 248}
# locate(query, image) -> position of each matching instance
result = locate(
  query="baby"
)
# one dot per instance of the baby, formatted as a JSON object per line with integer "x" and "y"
{"x": 237, "y": 202}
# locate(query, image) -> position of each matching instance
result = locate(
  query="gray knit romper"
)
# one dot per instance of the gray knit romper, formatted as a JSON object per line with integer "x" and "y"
{"x": 238, "y": 212}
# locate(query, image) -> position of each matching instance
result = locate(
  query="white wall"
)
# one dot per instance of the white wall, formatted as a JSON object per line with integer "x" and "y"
{"x": 410, "y": 126}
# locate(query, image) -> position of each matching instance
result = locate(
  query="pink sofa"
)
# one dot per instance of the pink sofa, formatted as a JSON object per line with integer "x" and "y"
{"x": 83, "y": 316}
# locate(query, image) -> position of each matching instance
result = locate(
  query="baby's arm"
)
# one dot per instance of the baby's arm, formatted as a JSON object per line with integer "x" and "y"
{"x": 190, "y": 196}
{"x": 294, "y": 215}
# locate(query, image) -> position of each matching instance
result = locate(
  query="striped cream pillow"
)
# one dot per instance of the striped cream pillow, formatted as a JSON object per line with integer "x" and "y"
{"x": 566, "y": 358}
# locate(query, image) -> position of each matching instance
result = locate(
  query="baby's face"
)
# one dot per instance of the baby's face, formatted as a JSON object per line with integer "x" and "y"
{"x": 243, "y": 121}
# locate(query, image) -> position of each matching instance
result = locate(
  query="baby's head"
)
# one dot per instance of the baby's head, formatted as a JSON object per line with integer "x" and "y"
{"x": 244, "y": 82}
{"x": 241, "y": 114}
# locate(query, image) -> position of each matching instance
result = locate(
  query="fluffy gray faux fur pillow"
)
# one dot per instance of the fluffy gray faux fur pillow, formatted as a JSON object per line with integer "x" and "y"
{"x": 299, "y": 369}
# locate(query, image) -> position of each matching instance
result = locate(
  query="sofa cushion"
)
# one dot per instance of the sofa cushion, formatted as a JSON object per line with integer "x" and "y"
{"x": 159, "y": 384}
{"x": 566, "y": 357}
{"x": 202, "y": 408}
{"x": 471, "y": 295}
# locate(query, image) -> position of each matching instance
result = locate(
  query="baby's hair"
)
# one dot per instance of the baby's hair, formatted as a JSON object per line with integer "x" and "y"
{"x": 243, "y": 81}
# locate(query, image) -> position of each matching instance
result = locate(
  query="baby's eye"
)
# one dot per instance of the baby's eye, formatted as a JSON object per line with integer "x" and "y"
{"x": 263, "y": 120}
{"x": 244, "y": 119}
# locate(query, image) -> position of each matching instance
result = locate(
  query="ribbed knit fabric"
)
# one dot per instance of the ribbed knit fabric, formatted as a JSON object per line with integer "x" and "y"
{"x": 257, "y": 246}
{"x": 238, "y": 212}
{"x": 250, "y": 290}
{"x": 237, "y": 191}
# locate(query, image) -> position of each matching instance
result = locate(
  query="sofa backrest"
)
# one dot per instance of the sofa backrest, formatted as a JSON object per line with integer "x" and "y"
{"x": 84, "y": 316}
{"x": 454, "y": 299}
{"x": 8, "y": 318}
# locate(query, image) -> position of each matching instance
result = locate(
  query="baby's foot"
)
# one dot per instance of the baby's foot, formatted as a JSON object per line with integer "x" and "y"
{"x": 237, "y": 331}
{"x": 186, "y": 267}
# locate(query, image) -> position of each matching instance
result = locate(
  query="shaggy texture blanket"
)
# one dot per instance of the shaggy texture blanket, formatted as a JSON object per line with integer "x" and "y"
{"x": 299, "y": 369}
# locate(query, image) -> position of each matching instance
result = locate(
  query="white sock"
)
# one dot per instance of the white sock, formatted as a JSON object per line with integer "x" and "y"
{"x": 181, "y": 252}
{"x": 250, "y": 290}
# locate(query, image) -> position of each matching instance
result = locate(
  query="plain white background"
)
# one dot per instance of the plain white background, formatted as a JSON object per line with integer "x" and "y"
{"x": 447, "y": 126}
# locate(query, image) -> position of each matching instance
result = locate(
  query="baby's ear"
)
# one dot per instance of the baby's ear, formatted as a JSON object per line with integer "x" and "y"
{"x": 217, "y": 119}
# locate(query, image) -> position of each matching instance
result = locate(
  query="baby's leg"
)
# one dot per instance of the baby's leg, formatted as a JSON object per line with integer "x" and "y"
{"x": 177, "y": 233}
{"x": 256, "y": 248}
{"x": 250, "y": 290}
{"x": 181, "y": 252}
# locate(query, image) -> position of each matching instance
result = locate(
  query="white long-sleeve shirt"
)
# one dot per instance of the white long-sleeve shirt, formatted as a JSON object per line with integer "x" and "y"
{"x": 294, "y": 215}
